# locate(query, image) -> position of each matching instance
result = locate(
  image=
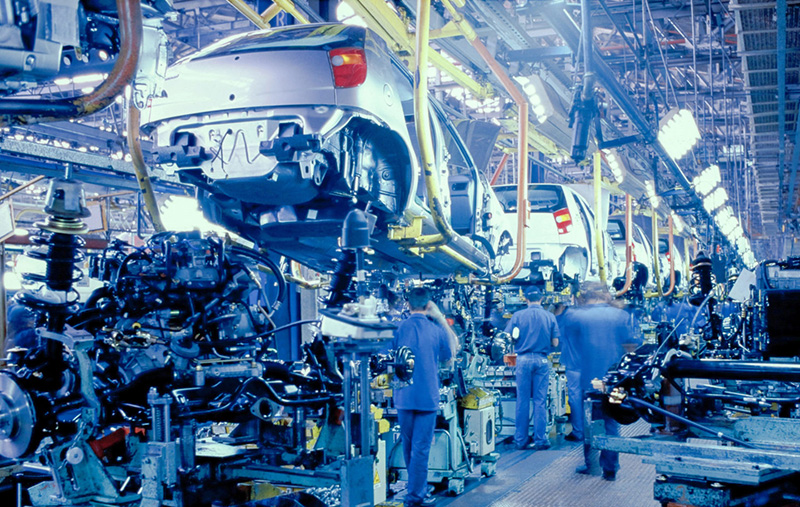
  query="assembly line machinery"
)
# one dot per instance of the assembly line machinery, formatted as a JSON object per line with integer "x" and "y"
{"x": 164, "y": 387}
{"x": 722, "y": 401}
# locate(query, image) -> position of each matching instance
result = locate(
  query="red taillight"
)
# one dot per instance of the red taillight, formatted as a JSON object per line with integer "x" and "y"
{"x": 563, "y": 220}
{"x": 349, "y": 67}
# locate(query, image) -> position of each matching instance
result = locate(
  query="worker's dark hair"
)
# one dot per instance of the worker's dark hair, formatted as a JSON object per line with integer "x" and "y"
{"x": 533, "y": 294}
{"x": 595, "y": 291}
{"x": 419, "y": 298}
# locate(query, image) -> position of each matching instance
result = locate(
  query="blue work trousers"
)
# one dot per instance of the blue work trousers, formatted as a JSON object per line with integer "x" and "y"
{"x": 416, "y": 432}
{"x": 575, "y": 394}
{"x": 609, "y": 460}
{"x": 533, "y": 378}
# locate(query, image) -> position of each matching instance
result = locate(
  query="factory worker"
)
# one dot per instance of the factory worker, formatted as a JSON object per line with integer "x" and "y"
{"x": 536, "y": 333}
{"x": 418, "y": 403}
{"x": 571, "y": 362}
{"x": 601, "y": 334}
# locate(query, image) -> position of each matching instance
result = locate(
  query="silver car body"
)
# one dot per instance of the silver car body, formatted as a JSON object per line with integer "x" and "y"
{"x": 280, "y": 153}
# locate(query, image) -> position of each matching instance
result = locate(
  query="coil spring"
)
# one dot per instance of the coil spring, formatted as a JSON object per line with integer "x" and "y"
{"x": 702, "y": 281}
{"x": 59, "y": 247}
{"x": 342, "y": 276}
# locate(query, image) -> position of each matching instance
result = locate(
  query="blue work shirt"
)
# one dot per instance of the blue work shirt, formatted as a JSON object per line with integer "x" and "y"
{"x": 428, "y": 341}
{"x": 569, "y": 353}
{"x": 537, "y": 328}
{"x": 598, "y": 332}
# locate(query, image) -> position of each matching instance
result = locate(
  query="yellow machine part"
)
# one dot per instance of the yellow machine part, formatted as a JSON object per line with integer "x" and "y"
{"x": 254, "y": 490}
{"x": 477, "y": 399}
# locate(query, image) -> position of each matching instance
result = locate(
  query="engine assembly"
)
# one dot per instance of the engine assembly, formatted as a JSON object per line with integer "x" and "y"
{"x": 165, "y": 386}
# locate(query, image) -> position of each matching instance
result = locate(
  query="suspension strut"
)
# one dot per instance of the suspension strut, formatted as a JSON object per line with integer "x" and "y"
{"x": 702, "y": 284}
{"x": 58, "y": 245}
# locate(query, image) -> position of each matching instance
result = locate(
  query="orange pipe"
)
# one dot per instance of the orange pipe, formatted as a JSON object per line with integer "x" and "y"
{"x": 628, "y": 246}
{"x": 499, "y": 169}
{"x": 522, "y": 180}
{"x": 671, "y": 243}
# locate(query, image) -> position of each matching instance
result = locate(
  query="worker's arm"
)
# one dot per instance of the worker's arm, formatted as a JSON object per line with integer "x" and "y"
{"x": 554, "y": 332}
{"x": 433, "y": 311}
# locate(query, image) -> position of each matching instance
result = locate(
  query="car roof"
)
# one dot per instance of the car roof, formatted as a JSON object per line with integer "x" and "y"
{"x": 310, "y": 36}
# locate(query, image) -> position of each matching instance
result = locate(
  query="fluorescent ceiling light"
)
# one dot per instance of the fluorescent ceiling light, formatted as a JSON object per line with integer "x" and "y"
{"x": 87, "y": 78}
{"x": 651, "y": 195}
{"x": 535, "y": 89}
{"x": 715, "y": 199}
{"x": 707, "y": 180}
{"x": 678, "y": 132}
{"x": 677, "y": 224}
{"x": 615, "y": 163}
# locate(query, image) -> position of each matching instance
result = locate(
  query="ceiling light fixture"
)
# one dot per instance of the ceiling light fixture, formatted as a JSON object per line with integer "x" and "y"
{"x": 651, "y": 196}
{"x": 615, "y": 163}
{"x": 535, "y": 89}
{"x": 715, "y": 199}
{"x": 707, "y": 180}
{"x": 678, "y": 132}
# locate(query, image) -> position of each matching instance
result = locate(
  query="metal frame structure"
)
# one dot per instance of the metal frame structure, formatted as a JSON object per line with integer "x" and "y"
{"x": 721, "y": 59}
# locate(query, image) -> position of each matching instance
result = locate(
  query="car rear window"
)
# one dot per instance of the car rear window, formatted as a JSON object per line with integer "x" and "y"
{"x": 616, "y": 230}
{"x": 663, "y": 246}
{"x": 325, "y": 36}
{"x": 542, "y": 198}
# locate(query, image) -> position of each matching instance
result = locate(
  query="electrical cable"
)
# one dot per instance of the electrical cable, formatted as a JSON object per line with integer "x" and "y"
{"x": 273, "y": 266}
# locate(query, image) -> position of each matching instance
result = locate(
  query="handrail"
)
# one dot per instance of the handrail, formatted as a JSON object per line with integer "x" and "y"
{"x": 686, "y": 262}
{"x": 628, "y": 246}
{"x": 671, "y": 243}
{"x": 598, "y": 230}
{"x": 522, "y": 104}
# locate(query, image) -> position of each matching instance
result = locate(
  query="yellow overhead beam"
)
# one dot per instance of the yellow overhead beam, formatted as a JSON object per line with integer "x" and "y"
{"x": 249, "y": 13}
{"x": 290, "y": 8}
{"x": 536, "y": 140}
{"x": 395, "y": 30}
{"x": 262, "y": 20}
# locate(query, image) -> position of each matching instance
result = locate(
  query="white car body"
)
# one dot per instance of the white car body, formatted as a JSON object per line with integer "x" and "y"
{"x": 561, "y": 232}
{"x": 642, "y": 251}
{"x": 663, "y": 264}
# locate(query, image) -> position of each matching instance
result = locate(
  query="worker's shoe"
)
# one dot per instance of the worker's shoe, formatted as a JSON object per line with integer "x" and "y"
{"x": 572, "y": 438}
{"x": 428, "y": 500}
{"x": 583, "y": 469}
{"x": 527, "y": 447}
{"x": 540, "y": 447}
{"x": 609, "y": 475}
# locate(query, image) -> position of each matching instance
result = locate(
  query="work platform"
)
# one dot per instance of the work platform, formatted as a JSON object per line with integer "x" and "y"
{"x": 548, "y": 479}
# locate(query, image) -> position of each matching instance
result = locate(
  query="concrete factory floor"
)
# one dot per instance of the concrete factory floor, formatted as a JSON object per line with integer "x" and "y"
{"x": 548, "y": 479}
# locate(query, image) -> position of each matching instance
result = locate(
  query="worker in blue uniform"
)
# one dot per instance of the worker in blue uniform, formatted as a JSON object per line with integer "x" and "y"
{"x": 418, "y": 403}
{"x": 602, "y": 334}
{"x": 536, "y": 333}
{"x": 572, "y": 369}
